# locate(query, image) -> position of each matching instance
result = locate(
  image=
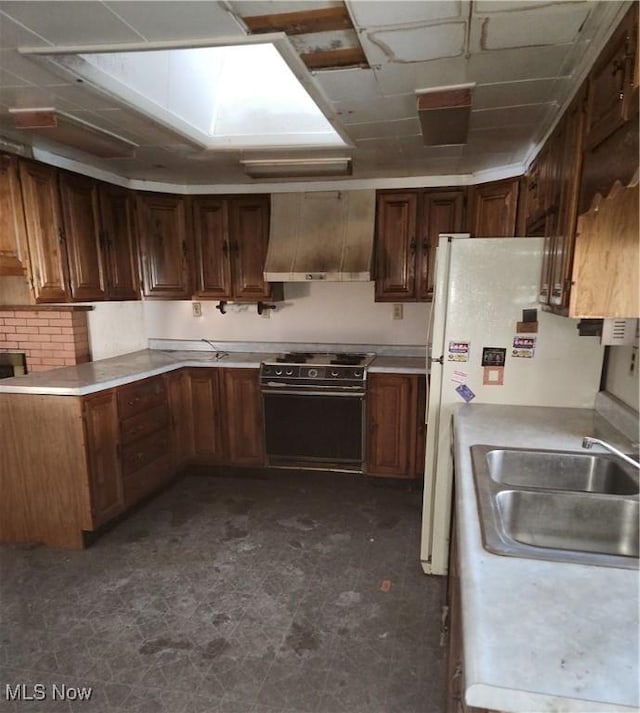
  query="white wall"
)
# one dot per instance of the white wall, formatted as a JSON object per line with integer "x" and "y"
{"x": 116, "y": 328}
{"x": 620, "y": 381}
{"x": 319, "y": 312}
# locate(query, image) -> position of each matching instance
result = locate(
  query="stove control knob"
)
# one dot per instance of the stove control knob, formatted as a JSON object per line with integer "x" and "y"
{"x": 357, "y": 373}
{"x": 289, "y": 372}
{"x": 266, "y": 370}
{"x": 278, "y": 372}
{"x": 335, "y": 372}
{"x": 312, "y": 373}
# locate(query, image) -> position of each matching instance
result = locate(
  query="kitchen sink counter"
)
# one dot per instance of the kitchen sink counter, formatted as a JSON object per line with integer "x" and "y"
{"x": 540, "y": 635}
{"x": 107, "y": 373}
{"x": 398, "y": 365}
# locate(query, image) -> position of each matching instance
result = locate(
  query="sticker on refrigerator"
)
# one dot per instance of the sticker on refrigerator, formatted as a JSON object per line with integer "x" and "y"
{"x": 458, "y": 351}
{"x": 493, "y": 376}
{"x": 465, "y": 392}
{"x": 459, "y": 377}
{"x": 493, "y": 356}
{"x": 523, "y": 347}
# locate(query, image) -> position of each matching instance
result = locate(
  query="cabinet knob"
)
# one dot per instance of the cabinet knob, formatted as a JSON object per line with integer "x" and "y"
{"x": 412, "y": 246}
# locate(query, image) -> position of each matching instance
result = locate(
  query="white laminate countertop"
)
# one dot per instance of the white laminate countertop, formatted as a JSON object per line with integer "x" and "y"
{"x": 540, "y": 636}
{"x": 116, "y": 371}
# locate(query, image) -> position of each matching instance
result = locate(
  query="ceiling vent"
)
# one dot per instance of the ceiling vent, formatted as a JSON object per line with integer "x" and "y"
{"x": 297, "y": 168}
{"x": 71, "y": 131}
{"x": 444, "y": 114}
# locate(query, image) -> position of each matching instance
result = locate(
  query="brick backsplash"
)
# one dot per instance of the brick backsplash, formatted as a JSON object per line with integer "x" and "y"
{"x": 48, "y": 337}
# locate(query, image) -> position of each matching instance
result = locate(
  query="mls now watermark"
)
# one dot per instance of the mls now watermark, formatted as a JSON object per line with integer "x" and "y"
{"x": 44, "y": 692}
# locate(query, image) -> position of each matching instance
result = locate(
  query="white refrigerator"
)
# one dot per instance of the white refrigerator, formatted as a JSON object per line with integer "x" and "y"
{"x": 482, "y": 286}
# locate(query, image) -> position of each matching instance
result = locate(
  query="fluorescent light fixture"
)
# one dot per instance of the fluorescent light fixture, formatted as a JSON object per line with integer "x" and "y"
{"x": 297, "y": 168}
{"x": 444, "y": 114}
{"x": 256, "y": 94}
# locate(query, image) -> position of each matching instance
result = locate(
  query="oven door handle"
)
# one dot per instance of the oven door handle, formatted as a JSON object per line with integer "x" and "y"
{"x": 310, "y": 392}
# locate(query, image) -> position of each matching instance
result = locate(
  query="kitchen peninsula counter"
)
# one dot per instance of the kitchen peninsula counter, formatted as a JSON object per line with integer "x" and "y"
{"x": 104, "y": 374}
{"x": 539, "y": 635}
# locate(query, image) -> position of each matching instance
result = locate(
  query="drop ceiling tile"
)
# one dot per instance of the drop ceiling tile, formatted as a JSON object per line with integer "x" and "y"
{"x": 29, "y": 96}
{"x": 13, "y": 35}
{"x": 547, "y": 26}
{"x": 487, "y": 6}
{"x": 136, "y": 128}
{"x": 250, "y": 8}
{"x": 528, "y": 91}
{"x": 63, "y": 22}
{"x": 397, "y": 78}
{"x": 420, "y": 44}
{"x": 352, "y": 84}
{"x": 385, "y": 14}
{"x": 510, "y": 116}
{"x": 400, "y": 106}
{"x": 516, "y": 64}
{"x": 409, "y": 144}
{"x": 325, "y": 41}
{"x": 29, "y": 70}
{"x": 177, "y": 20}
{"x": 380, "y": 129}
{"x": 7, "y": 79}
{"x": 86, "y": 98}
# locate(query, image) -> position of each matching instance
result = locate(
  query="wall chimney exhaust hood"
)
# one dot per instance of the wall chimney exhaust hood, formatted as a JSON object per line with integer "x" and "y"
{"x": 321, "y": 236}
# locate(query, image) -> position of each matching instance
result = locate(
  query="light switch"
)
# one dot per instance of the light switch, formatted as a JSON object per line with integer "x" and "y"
{"x": 397, "y": 311}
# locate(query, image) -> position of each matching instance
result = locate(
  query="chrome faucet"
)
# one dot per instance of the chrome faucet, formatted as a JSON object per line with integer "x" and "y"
{"x": 589, "y": 442}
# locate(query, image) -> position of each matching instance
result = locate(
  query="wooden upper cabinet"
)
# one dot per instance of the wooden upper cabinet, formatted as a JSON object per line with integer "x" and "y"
{"x": 243, "y": 417}
{"x": 14, "y": 256}
{"x": 396, "y": 245}
{"x": 408, "y": 224}
{"x": 211, "y": 235}
{"x": 249, "y": 239}
{"x": 442, "y": 212}
{"x": 164, "y": 248}
{"x": 116, "y": 220}
{"x": 613, "y": 82}
{"x": 45, "y": 236}
{"x": 100, "y": 414}
{"x": 80, "y": 212}
{"x": 231, "y": 239}
{"x": 493, "y": 209}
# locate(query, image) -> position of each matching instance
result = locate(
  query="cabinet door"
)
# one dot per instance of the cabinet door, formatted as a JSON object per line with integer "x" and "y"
{"x": 14, "y": 258}
{"x": 79, "y": 196}
{"x": 493, "y": 209}
{"x": 243, "y": 417}
{"x": 212, "y": 249}
{"x": 396, "y": 244}
{"x": 208, "y": 441}
{"x": 179, "y": 392}
{"x": 116, "y": 219}
{"x": 442, "y": 212}
{"x": 611, "y": 83}
{"x": 391, "y": 409}
{"x": 249, "y": 236}
{"x": 45, "y": 237}
{"x": 162, "y": 232}
{"x": 101, "y": 431}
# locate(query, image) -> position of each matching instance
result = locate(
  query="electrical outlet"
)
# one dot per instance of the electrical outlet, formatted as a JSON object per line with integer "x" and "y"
{"x": 266, "y": 314}
{"x": 196, "y": 308}
{"x": 397, "y": 311}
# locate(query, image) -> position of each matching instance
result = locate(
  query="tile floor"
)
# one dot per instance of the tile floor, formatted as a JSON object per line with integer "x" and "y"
{"x": 258, "y": 593}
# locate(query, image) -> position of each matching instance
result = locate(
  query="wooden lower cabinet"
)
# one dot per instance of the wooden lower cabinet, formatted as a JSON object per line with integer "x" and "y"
{"x": 208, "y": 445}
{"x": 395, "y": 425}
{"x": 178, "y": 386}
{"x": 100, "y": 414}
{"x": 242, "y": 403}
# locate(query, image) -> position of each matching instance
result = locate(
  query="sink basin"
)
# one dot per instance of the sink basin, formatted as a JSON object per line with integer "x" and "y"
{"x": 557, "y": 505}
{"x": 571, "y": 522}
{"x": 561, "y": 471}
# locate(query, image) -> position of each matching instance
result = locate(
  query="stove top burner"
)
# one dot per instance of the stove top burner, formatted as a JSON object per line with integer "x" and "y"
{"x": 294, "y": 358}
{"x": 347, "y": 359}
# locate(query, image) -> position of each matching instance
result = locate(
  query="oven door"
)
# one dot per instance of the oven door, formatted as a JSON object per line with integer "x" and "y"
{"x": 314, "y": 429}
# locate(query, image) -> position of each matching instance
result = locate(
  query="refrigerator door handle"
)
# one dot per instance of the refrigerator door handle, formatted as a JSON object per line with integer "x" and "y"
{"x": 439, "y": 360}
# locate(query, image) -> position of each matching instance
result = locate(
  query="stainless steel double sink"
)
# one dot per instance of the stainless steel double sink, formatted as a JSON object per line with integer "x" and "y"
{"x": 557, "y": 505}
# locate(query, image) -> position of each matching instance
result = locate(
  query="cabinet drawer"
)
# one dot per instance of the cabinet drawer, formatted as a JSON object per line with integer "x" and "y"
{"x": 140, "y": 396}
{"x": 140, "y": 453}
{"x": 143, "y": 424}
